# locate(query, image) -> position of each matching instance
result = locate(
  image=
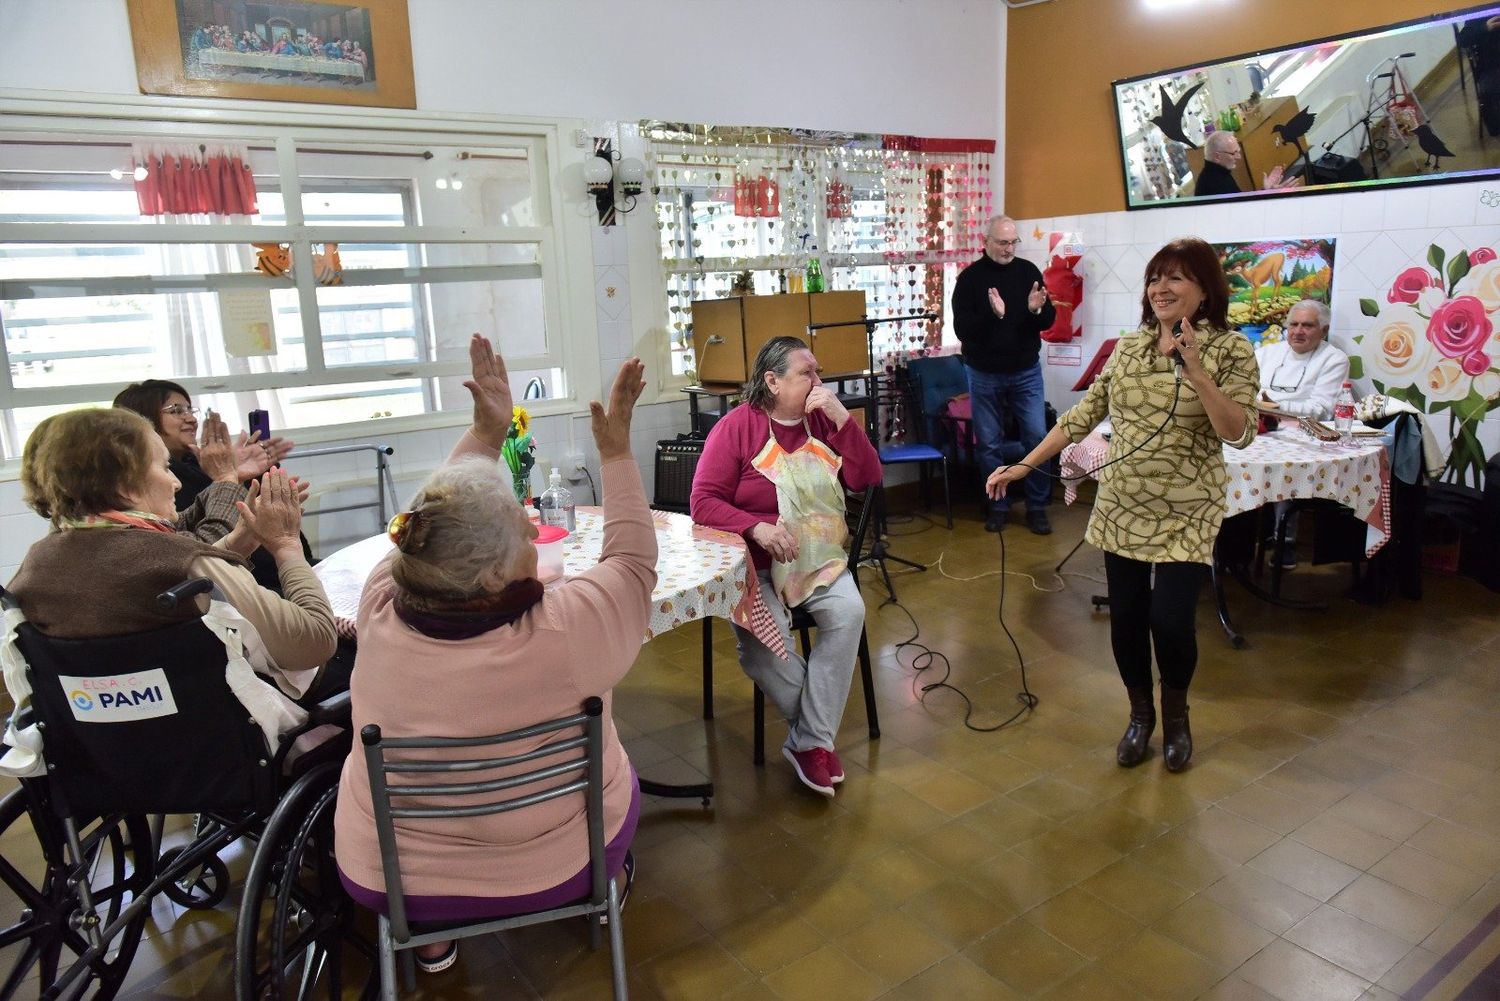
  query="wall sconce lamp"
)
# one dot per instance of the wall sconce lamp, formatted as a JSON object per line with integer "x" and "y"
{"x": 599, "y": 174}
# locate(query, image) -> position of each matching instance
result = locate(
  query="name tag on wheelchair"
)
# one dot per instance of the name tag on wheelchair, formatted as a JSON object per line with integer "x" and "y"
{"x": 119, "y": 698}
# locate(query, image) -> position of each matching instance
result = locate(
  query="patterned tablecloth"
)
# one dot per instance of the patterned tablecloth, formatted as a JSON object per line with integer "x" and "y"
{"x": 700, "y": 571}
{"x": 1280, "y": 466}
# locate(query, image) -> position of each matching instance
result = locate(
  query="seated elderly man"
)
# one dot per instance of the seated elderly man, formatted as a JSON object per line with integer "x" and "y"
{"x": 1301, "y": 375}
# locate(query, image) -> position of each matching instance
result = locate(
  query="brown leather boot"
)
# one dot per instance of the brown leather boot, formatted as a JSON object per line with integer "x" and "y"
{"x": 1131, "y": 750}
{"x": 1176, "y": 738}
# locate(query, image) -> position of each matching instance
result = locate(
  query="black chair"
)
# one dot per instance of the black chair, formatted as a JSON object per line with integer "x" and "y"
{"x": 571, "y": 763}
{"x": 802, "y": 623}
{"x": 936, "y": 380}
{"x": 145, "y": 724}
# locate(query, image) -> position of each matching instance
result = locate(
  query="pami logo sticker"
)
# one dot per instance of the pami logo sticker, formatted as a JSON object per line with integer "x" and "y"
{"x": 119, "y": 698}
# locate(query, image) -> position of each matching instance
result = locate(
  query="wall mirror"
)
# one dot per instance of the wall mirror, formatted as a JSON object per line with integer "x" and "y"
{"x": 1412, "y": 103}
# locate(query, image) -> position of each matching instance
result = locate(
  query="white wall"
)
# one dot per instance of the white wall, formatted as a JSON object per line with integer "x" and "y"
{"x": 920, "y": 67}
{"x": 924, "y": 67}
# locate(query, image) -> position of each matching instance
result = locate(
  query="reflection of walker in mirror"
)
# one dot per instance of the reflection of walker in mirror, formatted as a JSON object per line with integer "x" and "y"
{"x": 1394, "y": 105}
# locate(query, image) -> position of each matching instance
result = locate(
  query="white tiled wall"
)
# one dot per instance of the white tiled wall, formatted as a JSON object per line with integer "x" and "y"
{"x": 1378, "y": 234}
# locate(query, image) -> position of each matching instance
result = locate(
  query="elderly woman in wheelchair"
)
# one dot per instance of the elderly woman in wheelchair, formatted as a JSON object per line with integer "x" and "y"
{"x": 458, "y": 639}
{"x": 101, "y": 477}
{"x": 109, "y": 621}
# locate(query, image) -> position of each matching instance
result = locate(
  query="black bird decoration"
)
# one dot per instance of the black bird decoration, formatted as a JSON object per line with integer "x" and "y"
{"x": 1170, "y": 119}
{"x": 1431, "y": 145}
{"x": 1294, "y": 129}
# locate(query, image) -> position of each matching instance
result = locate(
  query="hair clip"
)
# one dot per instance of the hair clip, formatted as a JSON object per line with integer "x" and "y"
{"x": 400, "y": 527}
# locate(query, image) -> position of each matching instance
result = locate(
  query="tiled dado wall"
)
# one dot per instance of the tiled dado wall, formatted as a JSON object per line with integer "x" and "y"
{"x": 349, "y": 479}
{"x": 1379, "y": 234}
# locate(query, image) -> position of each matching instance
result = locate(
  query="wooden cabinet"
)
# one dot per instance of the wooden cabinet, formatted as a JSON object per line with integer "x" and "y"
{"x": 728, "y": 333}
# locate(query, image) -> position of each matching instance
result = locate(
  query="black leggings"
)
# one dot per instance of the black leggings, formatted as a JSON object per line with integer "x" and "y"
{"x": 1163, "y": 612}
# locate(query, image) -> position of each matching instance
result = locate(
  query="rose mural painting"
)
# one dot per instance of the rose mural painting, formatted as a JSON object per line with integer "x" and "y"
{"x": 1435, "y": 344}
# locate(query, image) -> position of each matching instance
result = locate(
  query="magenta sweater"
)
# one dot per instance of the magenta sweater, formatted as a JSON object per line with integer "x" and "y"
{"x": 729, "y": 494}
{"x": 579, "y": 640}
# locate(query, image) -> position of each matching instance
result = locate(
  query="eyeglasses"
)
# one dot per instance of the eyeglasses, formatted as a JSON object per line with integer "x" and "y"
{"x": 1006, "y": 243}
{"x": 178, "y": 410}
{"x": 1280, "y": 385}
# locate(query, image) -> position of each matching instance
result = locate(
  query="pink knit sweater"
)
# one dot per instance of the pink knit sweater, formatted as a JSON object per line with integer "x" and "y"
{"x": 579, "y": 640}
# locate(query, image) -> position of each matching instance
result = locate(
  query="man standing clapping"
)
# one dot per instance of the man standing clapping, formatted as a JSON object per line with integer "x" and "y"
{"x": 1000, "y": 309}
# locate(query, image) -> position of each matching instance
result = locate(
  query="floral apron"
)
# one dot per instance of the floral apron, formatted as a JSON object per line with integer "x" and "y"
{"x": 810, "y": 505}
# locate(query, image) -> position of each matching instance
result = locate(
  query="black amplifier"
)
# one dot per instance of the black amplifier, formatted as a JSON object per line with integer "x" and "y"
{"x": 676, "y": 462}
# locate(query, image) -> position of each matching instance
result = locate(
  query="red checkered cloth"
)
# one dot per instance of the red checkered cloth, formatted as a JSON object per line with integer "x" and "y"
{"x": 750, "y": 612}
{"x": 1380, "y": 519}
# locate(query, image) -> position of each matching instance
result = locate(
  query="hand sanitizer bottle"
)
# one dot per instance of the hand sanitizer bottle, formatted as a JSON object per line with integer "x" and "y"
{"x": 557, "y": 503}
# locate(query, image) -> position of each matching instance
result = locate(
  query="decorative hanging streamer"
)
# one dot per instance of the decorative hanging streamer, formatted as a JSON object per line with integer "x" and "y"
{"x": 887, "y": 214}
{"x": 184, "y": 181}
{"x": 840, "y": 201}
{"x": 745, "y": 188}
{"x": 768, "y": 195}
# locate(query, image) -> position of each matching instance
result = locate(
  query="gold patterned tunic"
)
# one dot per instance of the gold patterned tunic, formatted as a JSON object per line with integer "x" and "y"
{"x": 1164, "y": 502}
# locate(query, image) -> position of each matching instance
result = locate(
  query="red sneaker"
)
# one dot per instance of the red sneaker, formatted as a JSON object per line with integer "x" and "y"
{"x": 835, "y": 768}
{"x": 812, "y": 768}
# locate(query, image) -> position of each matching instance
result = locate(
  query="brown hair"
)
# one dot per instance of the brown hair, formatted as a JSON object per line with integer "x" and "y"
{"x": 1196, "y": 260}
{"x": 147, "y": 398}
{"x": 85, "y": 461}
{"x": 31, "y": 488}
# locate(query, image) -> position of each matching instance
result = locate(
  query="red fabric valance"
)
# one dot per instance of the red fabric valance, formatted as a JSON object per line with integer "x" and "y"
{"x": 928, "y": 144}
{"x": 185, "y": 182}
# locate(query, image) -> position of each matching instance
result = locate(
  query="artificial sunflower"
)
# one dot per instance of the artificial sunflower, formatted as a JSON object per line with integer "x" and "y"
{"x": 520, "y": 422}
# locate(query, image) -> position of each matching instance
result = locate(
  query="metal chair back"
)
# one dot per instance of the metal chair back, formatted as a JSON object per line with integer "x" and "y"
{"x": 490, "y": 778}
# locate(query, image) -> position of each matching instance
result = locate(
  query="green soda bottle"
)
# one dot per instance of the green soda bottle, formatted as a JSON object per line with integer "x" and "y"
{"x": 815, "y": 281}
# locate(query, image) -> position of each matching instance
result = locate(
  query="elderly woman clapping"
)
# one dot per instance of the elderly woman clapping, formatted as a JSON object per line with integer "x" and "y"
{"x": 101, "y": 477}
{"x": 457, "y": 638}
{"x": 209, "y": 466}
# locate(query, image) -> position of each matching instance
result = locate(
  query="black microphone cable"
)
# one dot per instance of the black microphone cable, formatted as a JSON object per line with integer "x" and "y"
{"x": 927, "y": 658}
{"x": 1029, "y": 701}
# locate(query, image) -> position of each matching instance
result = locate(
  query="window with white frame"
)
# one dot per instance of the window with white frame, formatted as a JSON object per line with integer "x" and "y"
{"x": 435, "y": 236}
{"x": 897, "y": 224}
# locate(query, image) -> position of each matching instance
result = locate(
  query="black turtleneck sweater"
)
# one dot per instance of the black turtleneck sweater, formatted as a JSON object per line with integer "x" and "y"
{"x": 991, "y": 344}
{"x": 1215, "y": 179}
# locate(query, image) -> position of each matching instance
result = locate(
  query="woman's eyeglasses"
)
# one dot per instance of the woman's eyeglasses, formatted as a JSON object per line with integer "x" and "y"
{"x": 178, "y": 410}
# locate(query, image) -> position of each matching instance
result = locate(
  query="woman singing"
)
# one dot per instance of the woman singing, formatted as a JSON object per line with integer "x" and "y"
{"x": 1176, "y": 390}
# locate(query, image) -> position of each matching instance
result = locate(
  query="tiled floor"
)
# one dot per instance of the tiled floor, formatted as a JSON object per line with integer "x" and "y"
{"x": 1336, "y": 836}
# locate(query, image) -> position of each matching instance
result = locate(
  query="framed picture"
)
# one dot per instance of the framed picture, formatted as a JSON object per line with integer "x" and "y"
{"x": 1268, "y": 277}
{"x": 350, "y": 52}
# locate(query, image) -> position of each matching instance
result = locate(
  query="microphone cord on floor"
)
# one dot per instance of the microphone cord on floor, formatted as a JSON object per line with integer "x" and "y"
{"x": 927, "y": 658}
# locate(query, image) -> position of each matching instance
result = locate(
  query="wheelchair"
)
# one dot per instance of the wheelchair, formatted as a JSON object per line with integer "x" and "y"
{"x": 138, "y": 726}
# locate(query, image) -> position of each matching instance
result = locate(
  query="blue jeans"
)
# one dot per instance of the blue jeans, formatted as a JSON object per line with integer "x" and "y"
{"x": 991, "y": 395}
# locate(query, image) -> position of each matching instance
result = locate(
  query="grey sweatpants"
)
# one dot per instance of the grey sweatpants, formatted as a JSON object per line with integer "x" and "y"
{"x": 810, "y": 693}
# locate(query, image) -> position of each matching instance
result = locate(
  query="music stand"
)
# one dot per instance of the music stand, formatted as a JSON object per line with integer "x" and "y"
{"x": 879, "y": 552}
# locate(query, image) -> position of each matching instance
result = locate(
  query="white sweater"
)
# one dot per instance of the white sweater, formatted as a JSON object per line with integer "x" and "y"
{"x": 1302, "y": 385}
